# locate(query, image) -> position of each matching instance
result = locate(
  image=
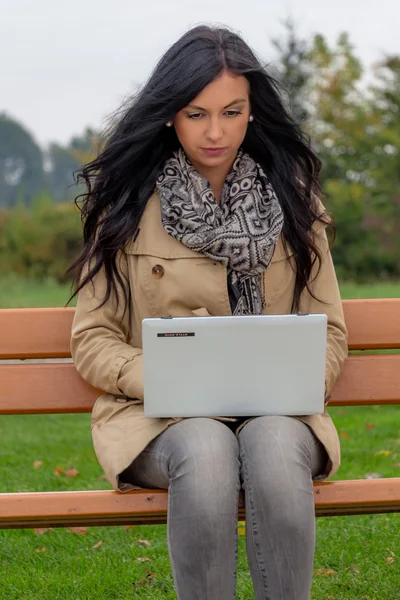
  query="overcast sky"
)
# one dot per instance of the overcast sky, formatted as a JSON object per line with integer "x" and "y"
{"x": 67, "y": 65}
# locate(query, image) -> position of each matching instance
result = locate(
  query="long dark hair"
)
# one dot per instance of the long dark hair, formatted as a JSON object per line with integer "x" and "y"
{"x": 121, "y": 179}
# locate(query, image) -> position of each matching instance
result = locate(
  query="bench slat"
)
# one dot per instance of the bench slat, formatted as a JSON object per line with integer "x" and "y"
{"x": 373, "y": 324}
{"x": 368, "y": 380}
{"x": 92, "y": 508}
{"x": 44, "y": 388}
{"x": 58, "y": 388}
{"x": 45, "y": 332}
{"x": 35, "y": 332}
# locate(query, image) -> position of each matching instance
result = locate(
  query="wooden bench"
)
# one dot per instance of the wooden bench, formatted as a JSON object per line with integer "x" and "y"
{"x": 27, "y": 388}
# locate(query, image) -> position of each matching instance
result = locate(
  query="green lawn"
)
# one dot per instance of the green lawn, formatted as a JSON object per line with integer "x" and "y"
{"x": 371, "y": 290}
{"x": 352, "y": 552}
{"x": 18, "y": 293}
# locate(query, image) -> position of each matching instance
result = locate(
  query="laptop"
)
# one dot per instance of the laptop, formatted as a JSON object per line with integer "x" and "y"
{"x": 234, "y": 366}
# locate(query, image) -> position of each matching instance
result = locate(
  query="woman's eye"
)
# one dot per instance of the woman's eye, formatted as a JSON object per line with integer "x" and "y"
{"x": 233, "y": 113}
{"x": 195, "y": 116}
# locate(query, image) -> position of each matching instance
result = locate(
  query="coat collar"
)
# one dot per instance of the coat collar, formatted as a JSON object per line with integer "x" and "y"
{"x": 153, "y": 240}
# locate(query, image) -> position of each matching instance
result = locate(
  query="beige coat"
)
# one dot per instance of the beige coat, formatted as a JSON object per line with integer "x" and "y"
{"x": 166, "y": 278}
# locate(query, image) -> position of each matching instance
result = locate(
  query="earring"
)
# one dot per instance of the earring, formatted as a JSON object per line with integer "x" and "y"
{"x": 251, "y": 119}
{"x": 169, "y": 123}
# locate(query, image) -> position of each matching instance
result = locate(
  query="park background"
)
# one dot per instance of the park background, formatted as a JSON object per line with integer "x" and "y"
{"x": 347, "y": 95}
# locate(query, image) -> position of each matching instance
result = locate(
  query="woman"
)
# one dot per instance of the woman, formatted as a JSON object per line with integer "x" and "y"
{"x": 204, "y": 202}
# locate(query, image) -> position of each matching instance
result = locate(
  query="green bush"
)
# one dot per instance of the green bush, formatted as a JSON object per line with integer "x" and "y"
{"x": 367, "y": 243}
{"x": 39, "y": 241}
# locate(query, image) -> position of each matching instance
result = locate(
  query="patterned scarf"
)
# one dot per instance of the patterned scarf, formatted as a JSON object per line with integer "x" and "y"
{"x": 241, "y": 232}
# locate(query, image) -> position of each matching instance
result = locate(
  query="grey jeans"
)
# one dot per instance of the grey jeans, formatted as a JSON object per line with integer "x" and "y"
{"x": 204, "y": 465}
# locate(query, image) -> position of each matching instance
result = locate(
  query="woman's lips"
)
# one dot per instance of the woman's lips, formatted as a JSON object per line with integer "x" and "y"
{"x": 213, "y": 151}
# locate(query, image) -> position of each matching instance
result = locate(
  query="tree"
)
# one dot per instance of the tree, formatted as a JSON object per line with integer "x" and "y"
{"x": 293, "y": 69}
{"x": 21, "y": 163}
{"x": 65, "y": 160}
{"x": 354, "y": 131}
{"x": 60, "y": 175}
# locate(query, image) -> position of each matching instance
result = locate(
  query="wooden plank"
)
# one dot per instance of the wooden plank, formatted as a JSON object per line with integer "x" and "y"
{"x": 373, "y": 324}
{"x": 357, "y": 497}
{"x": 44, "y": 388}
{"x": 58, "y": 509}
{"x": 368, "y": 380}
{"x": 58, "y": 388}
{"x": 92, "y": 508}
{"x": 35, "y": 332}
{"x": 45, "y": 332}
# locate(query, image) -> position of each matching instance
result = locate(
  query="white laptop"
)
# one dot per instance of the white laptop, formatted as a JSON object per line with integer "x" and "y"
{"x": 234, "y": 366}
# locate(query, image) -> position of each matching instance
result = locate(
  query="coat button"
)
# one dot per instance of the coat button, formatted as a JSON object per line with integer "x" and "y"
{"x": 158, "y": 271}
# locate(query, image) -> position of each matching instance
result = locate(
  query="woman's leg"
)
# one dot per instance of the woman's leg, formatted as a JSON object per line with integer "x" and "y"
{"x": 280, "y": 456}
{"x": 198, "y": 461}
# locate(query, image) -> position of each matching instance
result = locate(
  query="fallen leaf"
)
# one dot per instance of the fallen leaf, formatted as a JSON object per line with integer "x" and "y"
{"x": 398, "y": 441}
{"x": 148, "y": 580}
{"x": 390, "y": 559}
{"x": 71, "y": 472}
{"x": 144, "y": 543}
{"x": 357, "y": 571}
{"x": 102, "y": 478}
{"x": 383, "y": 453}
{"x": 370, "y": 426}
{"x": 58, "y": 471}
{"x": 42, "y": 530}
{"x": 140, "y": 559}
{"x": 344, "y": 435}
{"x": 40, "y": 549}
{"x": 397, "y": 465}
{"x": 37, "y": 464}
{"x": 140, "y": 583}
{"x": 98, "y": 545}
{"x": 78, "y": 530}
{"x": 373, "y": 476}
{"x": 128, "y": 527}
{"x": 325, "y": 572}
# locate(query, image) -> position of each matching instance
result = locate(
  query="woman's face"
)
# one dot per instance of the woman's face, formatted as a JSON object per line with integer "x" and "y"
{"x": 212, "y": 127}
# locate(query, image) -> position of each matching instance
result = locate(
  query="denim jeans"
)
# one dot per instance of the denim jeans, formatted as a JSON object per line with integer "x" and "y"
{"x": 204, "y": 465}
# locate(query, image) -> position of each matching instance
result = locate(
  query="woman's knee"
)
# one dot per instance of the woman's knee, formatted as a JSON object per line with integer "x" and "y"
{"x": 278, "y": 435}
{"x": 278, "y": 449}
{"x": 202, "y": 449}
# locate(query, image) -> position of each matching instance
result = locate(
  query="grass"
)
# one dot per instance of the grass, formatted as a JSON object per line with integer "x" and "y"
{"x": 352, "y": 553}
{"x": 370, "y": 290}
{"x": 20, "y": 293}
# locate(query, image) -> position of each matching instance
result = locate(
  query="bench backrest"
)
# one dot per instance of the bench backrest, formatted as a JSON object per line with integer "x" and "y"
{"x": 56, "y": 387}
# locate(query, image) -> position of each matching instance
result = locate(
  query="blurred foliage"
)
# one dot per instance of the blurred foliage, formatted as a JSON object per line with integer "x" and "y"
{"x": 354, "y": 125}
{"x": 355, "y": 130}
{"x": 26, "y": 169}
{"x": 39, "y": 241}
{"x": 21, "y": 162}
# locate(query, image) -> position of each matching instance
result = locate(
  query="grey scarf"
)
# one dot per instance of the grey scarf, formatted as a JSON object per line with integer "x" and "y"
{"x": 241, "y": 232}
